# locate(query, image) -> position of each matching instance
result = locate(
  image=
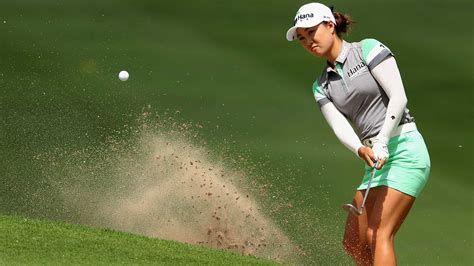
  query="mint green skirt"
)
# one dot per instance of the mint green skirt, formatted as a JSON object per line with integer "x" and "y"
{"x": 407, "y": 168}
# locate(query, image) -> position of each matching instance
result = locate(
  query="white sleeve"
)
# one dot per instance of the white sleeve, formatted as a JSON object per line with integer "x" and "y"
{"x": 341, "y": 127}
{"x": 387, "y": 75}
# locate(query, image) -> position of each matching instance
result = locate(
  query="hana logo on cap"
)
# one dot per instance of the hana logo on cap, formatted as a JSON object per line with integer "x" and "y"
{"x": 300, "y": 17}
{"x": 308, "y": 16}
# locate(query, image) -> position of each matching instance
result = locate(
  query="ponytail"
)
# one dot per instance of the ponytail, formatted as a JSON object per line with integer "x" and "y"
{"x": 343, "y": 23}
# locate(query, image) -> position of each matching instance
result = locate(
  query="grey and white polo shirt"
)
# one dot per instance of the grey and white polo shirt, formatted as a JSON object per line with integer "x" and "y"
{"x": 353, "y": 90}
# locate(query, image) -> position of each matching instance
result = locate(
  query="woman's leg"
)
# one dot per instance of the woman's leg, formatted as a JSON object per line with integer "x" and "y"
{"x": 386, "y": 212}
{"x": 355, "y": 242}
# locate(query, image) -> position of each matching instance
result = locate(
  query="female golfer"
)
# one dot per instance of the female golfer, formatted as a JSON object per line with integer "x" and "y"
{"x": 361, "y": 84}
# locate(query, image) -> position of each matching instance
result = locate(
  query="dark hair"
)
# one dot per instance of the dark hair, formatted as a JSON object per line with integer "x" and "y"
{"x": 343, "y": 23}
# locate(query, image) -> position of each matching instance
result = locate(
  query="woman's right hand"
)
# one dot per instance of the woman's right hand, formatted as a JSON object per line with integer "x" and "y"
{"x": 366, "y": 154}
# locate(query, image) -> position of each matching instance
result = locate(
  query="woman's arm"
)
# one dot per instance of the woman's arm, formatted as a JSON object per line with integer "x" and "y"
{"x": 387, "y": 75}
{"x": 345, "y": 133}
{"x": 341, "y": 127}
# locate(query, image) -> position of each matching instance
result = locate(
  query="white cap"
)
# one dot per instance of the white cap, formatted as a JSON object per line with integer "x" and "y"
{"x": 308, "y": 16}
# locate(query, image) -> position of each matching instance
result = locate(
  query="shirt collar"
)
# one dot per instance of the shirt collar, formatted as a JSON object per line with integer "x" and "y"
{"x": 343, "y": 54}
{"x": 341, "y": 58}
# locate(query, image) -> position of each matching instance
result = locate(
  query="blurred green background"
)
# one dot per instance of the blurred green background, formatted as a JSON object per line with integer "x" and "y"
{"x": 227, "y": 65}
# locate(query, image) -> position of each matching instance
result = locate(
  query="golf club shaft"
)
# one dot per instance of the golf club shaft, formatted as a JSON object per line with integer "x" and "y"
{"x": 368, "y": 186}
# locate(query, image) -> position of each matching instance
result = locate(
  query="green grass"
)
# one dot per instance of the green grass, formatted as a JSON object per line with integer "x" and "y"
{"x": 30, "y": 241}
{"x": 232, "y": 68}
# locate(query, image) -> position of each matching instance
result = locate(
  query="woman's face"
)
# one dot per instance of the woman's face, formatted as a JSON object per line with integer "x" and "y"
{"x": 317, "y": 40}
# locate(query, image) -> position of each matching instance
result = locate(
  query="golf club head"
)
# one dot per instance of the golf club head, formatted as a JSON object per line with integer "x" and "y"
{"x": 351, "y": 209}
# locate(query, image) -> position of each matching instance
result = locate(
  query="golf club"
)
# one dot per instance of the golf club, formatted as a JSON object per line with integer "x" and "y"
{"x": 351, "y": 208}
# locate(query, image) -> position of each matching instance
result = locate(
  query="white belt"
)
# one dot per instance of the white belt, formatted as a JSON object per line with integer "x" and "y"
{"x": 398, "y": 131}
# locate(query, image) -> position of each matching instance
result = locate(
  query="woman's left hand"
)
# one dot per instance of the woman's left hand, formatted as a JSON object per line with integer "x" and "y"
{"x": 380, "y": 153}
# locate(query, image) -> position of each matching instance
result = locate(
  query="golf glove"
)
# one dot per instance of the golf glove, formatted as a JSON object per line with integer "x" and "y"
{"x": 380, "y": 151}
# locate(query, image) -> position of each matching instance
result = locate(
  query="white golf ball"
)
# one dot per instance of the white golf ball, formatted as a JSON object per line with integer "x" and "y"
{"x": 123, "y": 75}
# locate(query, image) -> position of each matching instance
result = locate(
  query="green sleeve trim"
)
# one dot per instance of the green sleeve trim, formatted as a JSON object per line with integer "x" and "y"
{"x": 319, "y": 95}
{"x": 367, "y": 46}
{"x": 316, "y": 88}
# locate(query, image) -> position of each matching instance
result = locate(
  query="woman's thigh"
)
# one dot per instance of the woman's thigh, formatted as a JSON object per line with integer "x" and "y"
{"x": 387, "y": 209}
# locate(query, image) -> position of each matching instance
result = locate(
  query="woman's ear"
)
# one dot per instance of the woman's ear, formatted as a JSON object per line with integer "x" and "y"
{"x": 331, "y": 26}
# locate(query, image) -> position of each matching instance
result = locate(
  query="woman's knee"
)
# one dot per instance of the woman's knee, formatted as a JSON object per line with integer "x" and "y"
{"x": 374, "y": 235}
{"x": 370, "y": 236}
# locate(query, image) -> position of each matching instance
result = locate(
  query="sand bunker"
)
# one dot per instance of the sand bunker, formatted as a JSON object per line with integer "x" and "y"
{"x": 182, "y": 195}
{"x": 160, "y": 184}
